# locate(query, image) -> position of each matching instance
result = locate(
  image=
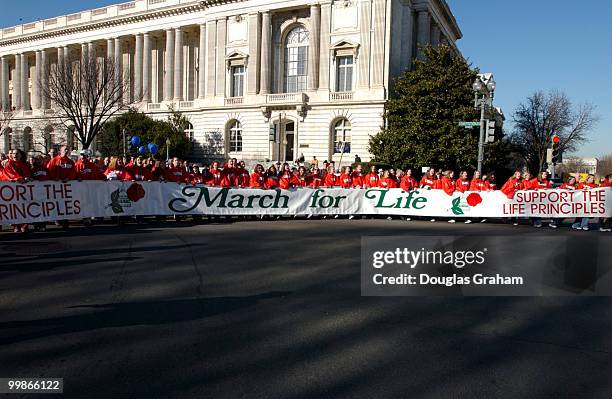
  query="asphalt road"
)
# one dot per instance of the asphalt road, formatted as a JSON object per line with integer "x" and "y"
{"x": 273, "y": 309}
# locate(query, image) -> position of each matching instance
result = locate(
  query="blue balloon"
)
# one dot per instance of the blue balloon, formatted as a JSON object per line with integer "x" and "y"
{"x": 153, "y": 148}
{"x": 135, "y": 141}
{"x": 142, "y": 150}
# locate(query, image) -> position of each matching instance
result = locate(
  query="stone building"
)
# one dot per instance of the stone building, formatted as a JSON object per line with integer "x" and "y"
{"x": 267, "y": 79}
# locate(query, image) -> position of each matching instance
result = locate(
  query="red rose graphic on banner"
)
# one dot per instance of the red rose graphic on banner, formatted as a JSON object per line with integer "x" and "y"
{"x": 136, "y": 192}
{"x": 474, "y": 199}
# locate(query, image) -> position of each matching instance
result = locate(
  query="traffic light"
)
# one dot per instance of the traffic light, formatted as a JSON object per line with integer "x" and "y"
{"x": 556, "y": 149}
{"x": 490, "y": 137}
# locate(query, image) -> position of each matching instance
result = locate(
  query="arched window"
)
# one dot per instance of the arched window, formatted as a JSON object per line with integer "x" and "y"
{"x": 235, "y": 136}
{"x": 190, "y": 133}
{"x": 342, "y": 136}
{"x": 296, "y": 59}
{"x": 28, "y": 139}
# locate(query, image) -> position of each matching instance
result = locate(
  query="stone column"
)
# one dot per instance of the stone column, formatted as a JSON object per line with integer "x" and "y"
{"x": 110, "y": 50}
{"x": 119, "y": 67}
{"x": 60, "y": 59}
{"x": 211, "y": 33}
{"x": 365, "y": 15}
{"x": 312, "y": 82}
{"x": 44, "y": 79}
{"x": 253, "y": 65}
{"x": 17, "y": 83}
{"x": 169, "y": 65}
{"x": 266, "y": 52}
{"x": 424, "y": 31}
{"x": 25, "y": 83}
{"x": 378, "y": 43}
{"x": 84, "y": 55}
{"x": 146, "y": 69}
{"x": 178, "y": 65}
{"x": 4, "y": 85}
{"x": 435, "y": 35}
{"x": 221, "y": 70}
{"x": 91, "y": 51}
{"x": 407, "y": 51}
{"x": 36, "y": 97}
{"x": 138, "y": 61}
{"x": 324, "y": 46}
{"x": 202, "y": 63}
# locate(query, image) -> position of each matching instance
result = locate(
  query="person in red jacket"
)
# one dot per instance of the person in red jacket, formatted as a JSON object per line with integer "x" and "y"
{"x": 176, "y": 173}
{"x": 116, "y": 169}
{"x": 588, "y": 184}
{"x": 315, "y": 180}
{"x": 258, "y": 177}
{"x": 229, "y": 175}
{"x": 301, "y": 178}
{"x": 529, "y": 182}
{"x": 477, "y": 184}
{"x": 271, "y": 178}
{"x": 243, "y": 178}
{"x": 543, "y": 183}
{"x": 372, "y": 178}
{"x": 331, "y": 180}
{"x": 215, "y": 175}
{"x": 570, "y": 184}
{"x": 39, "y": 169}
{"x": 86, "y": 169}
{"x": 346, "y": 180}
{"x": 407, "y": 182}
{"x": 447, "y": 183}
{"x": 196, "y": 176}
{"x": 428, "y": 181}
{"x": 286, "y": 181}
{"x": 512, "y": 185}
{"x": 387, "y": 181}
{"x": 16, "y": 169}
{"x": 62, "y": 167}
{"x": 358, "y": 177}
{"x": 463, "y": 183}
{"x": 490, "y": 182}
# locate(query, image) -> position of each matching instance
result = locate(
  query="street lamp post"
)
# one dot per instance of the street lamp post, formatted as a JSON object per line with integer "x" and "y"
{"x": 484, "y": 89}
{"x": 168, "y": 149}
{"x": 124, "y": 150}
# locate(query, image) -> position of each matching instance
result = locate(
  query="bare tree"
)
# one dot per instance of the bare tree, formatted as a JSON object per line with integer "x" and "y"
{"x": 543, "y": 116}
{"x": 573, "y": 165}
{"x": 87, "y": 94}
{"x": 5, "y": 120}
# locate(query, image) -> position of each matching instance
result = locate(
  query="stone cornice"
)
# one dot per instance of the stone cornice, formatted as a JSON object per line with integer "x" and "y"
{"x": 116, "y": 21}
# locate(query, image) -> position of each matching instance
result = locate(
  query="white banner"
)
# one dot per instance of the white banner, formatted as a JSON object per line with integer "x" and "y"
{"x": 49, "y": 201}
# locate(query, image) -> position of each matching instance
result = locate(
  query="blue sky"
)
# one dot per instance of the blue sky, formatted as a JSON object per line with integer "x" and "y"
{"x": 528, "y": 45}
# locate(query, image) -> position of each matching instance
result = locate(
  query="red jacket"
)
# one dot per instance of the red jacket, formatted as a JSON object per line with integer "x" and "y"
{"x": 177, "y": 175}
{"x": 477, "y": 185}
{"x": 330, "y": 180}
{"x": 257, "y": 180}
{"x": 16, "y": 170}
{"x": 428, "y": 181}
{"x": 358, "y": 179}
{"x": 62, "y": 168}
{"x": 196, "y": 178}
{"x": 581, "y": 186}
{"x": 301, "y": 181}
{"x": 345, "y": 181}
{"x": 408, "y": 183}
{"x": 243, "y": 178}
{"x": 511, "y": 186}
{"x": 567, "y": 186}
{"x": 462, "y": 185}
{"x": 271, "y": 181}
{"x": 229, "y": 177}
{"x": 447, "y": 185}
{"x": 315, "y": 181}
{"x": 543, "y": 184}
{"x": 214, "y": 177}
{"x": 530, "y": 184}
{"x": 371, "y": 180}
{"x": 606, "y": 183}
{"x": 287, "y": 181}
{"x": 387, "y": 182}
{"x": 87, "y": 170}
{"x": 41, "y": 173}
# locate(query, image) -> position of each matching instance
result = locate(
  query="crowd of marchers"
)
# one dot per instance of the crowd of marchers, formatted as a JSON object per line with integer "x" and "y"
{"x": 59, "y": 166}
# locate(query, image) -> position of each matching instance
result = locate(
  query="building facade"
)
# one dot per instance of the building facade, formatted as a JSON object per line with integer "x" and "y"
{"x": 257, "y": 79}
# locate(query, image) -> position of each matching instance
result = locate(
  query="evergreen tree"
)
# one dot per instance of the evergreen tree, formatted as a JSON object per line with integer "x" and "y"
{"x": 422, "y": 118}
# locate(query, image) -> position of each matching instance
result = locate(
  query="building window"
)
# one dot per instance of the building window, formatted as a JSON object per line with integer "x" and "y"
{"x": 344, "y": 75}
{"x": 342, "y": 136}
{"x": 238, "y": 74}
{"x": 235, "y": 137}
{"x": 9, "y": 140}
{"x": 73, "y": 139}
{"x": 296, "y": 60}
{"x": 28, "y": 139}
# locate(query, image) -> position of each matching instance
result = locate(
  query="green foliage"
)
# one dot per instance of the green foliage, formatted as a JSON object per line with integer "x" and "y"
{"x": 149, "y": 130}
{"x": 422, "y": 117}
